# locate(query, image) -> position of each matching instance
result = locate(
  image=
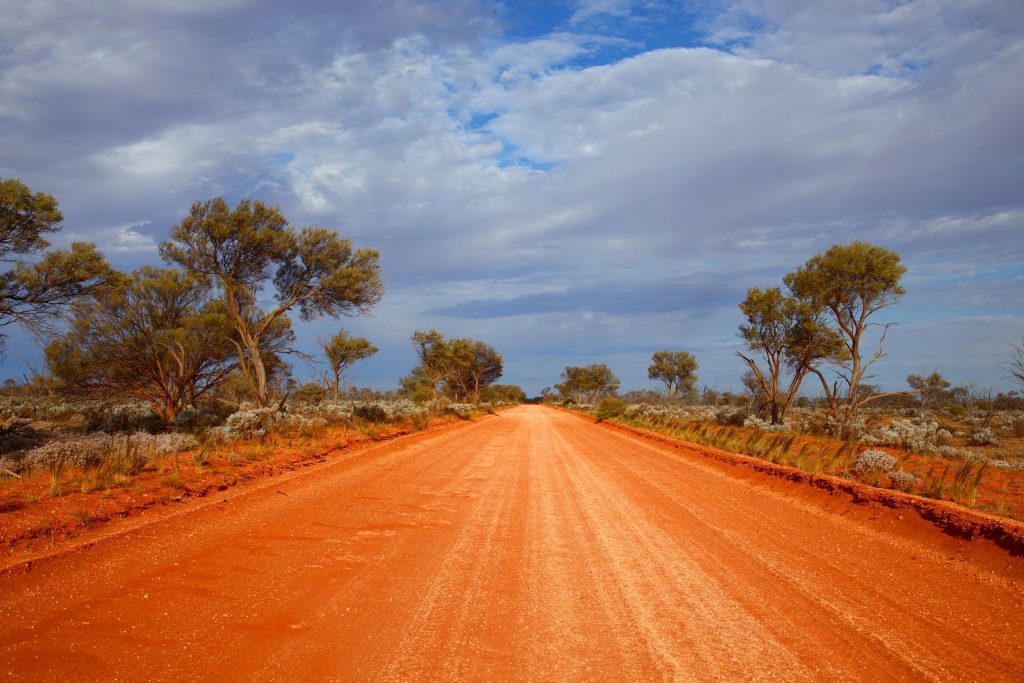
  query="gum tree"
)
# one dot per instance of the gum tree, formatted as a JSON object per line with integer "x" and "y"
{"x": 36, "y": 295}
{"x": 789, "y": 336}
{"x": 245, "y": 249}
{"x": 342, "y": 350}
{"x": 463, "y": 366}
{"x": 677, "y": 370}
{"x": 158, "y": 336}
{"x": 436, "y": 361}
{"x": 930, "y": 388}
{"x": 477, "y": 365}
{"x": 586, "y": 384}
{"x": 850, "y": 284}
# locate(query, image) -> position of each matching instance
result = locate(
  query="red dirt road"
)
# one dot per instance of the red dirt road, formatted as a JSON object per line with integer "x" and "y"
{"x": 532, "y": 545}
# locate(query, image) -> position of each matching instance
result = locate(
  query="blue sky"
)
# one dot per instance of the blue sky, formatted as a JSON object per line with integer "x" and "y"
{"x": 572, "y": 182}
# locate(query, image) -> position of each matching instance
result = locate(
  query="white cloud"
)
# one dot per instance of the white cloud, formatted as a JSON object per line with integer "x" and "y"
{"x": 402, "y": 127}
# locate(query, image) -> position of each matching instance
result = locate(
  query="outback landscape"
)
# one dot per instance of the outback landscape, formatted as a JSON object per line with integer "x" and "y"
{"x": 587, "y": 340}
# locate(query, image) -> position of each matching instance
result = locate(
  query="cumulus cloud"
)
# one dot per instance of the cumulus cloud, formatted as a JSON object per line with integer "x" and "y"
{"x": 626, "y": 161}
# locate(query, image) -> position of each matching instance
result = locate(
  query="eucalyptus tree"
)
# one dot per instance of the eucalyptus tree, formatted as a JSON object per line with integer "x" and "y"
{"x": 677, "y": 370}
{"x": 477, "y": 365}
{"x": 245, "y": 249}
{"x": 788, "y": 334}
{"x": 463, "y": 366}
{"x": 930, "y": 388}
{"x": 36, "y": 295}
{"x": 342, "y": 350}
{"x": 587, "y": 384}
{"x": 157, "y": 335}
{"x": 849, "y": 284}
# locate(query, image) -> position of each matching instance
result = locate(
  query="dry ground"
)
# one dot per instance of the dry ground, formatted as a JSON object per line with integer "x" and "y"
{"x": 532, "y": 545}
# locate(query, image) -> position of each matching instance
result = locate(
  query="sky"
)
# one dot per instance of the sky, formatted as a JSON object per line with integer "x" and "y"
{"x": 573, "y": 182}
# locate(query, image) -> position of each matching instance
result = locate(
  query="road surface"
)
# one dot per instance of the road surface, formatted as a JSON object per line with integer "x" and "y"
{"x": 533, "y": 545}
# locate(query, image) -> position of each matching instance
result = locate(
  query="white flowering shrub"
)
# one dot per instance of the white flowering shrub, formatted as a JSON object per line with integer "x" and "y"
{"x": 754, "y": 422}
{"x": 9, "y": 467}
{"x": 873, "y": 462}
{"x": 902, "y": 481}
{"x": 94, "y": 449}
{"x": 676, "y": 412}
{"x": 461, "y": 409}
{"x": 984, "y": 436}
{"x": 251, "y": 421}
{"x": 920, "y": 436}
{"x": 953, "y": 453}
{"x": 1008, "y": 465}
{"x": 850, "y": 428}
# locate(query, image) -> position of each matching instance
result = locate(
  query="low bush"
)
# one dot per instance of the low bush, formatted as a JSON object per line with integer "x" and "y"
{"x": 902, "y": 481}
{"x": 610, "y": 407}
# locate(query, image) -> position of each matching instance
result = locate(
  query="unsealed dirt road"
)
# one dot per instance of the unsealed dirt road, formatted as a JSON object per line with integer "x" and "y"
{"x": 532, "y": 545}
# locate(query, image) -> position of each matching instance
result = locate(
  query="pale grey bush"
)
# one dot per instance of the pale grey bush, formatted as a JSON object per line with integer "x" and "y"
{"x": 754, "y": 422}
{"x": 902, "y": 481}
{"x": 461, "y": 409}
{"x": 1008, "y": 465}
{"x": 872, "y": 461}
{"x": 954, "y": 453}
{"x": 984, "y": 436}
{"x": 921, "y": 436}
{"x": 10, "y": 467}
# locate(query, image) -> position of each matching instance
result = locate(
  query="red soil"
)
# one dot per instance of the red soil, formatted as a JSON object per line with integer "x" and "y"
{"x": 32, "y": 519}
{"x": 531, "y": 546}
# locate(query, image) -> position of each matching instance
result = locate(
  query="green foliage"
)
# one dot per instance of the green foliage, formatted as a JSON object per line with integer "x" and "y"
{"x": 610, "y": 407}
{"x": 931, "y": 389}
{"x": 503, "y": 393}
{"x": 24, "y": 217}
{"x": 461, "y": 367}
{"x": 849, "y": 284}
{"x": 587, "y": 384}
{"x": 36, "y": 295}
{"x": 244, "y": 248}
{"x": 476, "y": 365}
{"x": 156, "y": 335}
{"x": 676, "y": 369}
{"x": 786, "y": 333}
{"x": 342, "y": 350}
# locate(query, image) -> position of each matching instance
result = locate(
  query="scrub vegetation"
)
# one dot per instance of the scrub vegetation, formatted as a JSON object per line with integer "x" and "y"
{"x": 188, "y": 363}
{"x": 932, "y": 439}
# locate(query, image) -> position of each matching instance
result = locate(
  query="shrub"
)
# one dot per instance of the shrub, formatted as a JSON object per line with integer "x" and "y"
{"x": 371, "y": 412}
{"x": 731, "y": 417}
{"x": 956, "y": 410}
{"x": 1007, "y": 465}
{"x": 610, "y": 407}
{"x": 984, "y": 437}
{"x": 754, "y": 422}
{"x": 917, "y": 436}
{"x": 902, "y": 481}
{"x": 869, "y": 466}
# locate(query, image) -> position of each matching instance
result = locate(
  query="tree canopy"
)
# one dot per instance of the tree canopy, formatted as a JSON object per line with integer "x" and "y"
{"x": 587, "y": 384}
{"x": 245, "y": 248}
{"x": 788, "y": 334}
{"x": 460, "y": 366}
{"x": 157, "y": 335}
{"x": 677, "y": 370}
{"x": 342, "y": 350}
{"x": 850, "y": 284}
{"x": 931, "y": 388}
{"x": 36, "y": 295}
